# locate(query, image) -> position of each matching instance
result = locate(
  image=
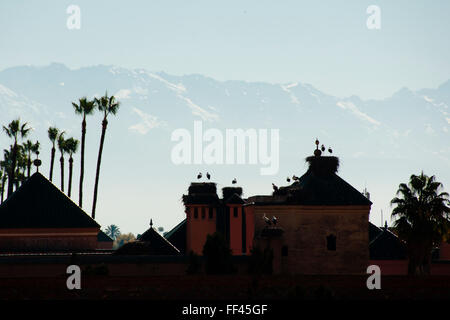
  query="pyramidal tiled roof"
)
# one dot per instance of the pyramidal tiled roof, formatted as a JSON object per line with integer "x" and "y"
{"x": 320, "y": 185}
{"x": 151, "y": 243}
{"x": 37, "y": 203}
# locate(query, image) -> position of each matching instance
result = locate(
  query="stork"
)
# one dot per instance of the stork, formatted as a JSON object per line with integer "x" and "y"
{"x": 288, "y": 179}
{"x": 199, "y": 176}
{"x": 274, "y": 220}
{"x": 322, "y": 148}
{"x": 275, "y": 188}
{"x": 329, "y": 150}
{"x": 234, "y": 181}
{"x": 208, "y": 176}
{"x": 266, "y": 220}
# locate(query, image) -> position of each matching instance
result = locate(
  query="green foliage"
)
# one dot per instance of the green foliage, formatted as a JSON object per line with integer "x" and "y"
{"x": 112, "y": 231}
{"x": 218, "y": 255}
{"x": 422, "y": 219}
{"x": 195, "y": 264}
{"x": 122, "y": 239}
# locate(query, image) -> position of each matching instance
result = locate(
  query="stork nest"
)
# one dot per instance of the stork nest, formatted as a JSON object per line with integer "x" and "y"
{"x": 323, "y": 166}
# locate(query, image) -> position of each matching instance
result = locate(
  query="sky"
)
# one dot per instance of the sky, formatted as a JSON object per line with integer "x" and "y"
{"x": 324, "y": 43}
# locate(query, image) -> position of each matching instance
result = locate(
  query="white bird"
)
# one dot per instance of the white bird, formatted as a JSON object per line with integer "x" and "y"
{"x": 234, "y": 181}
{"x": 267, "y": 220}
{"x": 274, "y": 220}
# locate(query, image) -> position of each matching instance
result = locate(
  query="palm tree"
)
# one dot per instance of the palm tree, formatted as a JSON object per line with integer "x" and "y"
{"x": 422, "y": 213}
{"x": 84, "y": 108}
{"x": 107, "y": 105}
{"x": 14, "y": 130}
{"x": 35, "y": 149}
{"x": 3, "y": 178}
{"x": 71, "y": 148}
{"x": 53, "y": 136}
{"x": 112, "y": 231}
{"x": 30, "y": 147}
{"x": 62, "y": 149}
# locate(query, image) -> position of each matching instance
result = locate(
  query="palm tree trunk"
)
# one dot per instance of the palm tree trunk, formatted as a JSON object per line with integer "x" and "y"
{"x": 83, "y": 137}
{"x": 11, "y": 176}
{"x": 70, "y": 175}
{"x": 29, "y": 166}
{"x": 99, "y": 160}
{"x": 52, "y": 161}
{"x": 62, "y": 172}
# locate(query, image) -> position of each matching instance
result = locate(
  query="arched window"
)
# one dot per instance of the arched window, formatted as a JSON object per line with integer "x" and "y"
{"x": 331, "y": 242}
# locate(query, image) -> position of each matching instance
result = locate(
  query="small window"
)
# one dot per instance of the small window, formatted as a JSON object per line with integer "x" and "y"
{"x": 203, "y": 212}
{"x": 195, "y": 213}
{"x": 211, "y": 213}
{"x": 284, "y": 251}
{"x": 331, "y": 242}
{"x": 235, "y": 212}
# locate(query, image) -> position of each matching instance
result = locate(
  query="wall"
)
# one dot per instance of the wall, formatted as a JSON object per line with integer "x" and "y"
{"x": 306, "y": 229}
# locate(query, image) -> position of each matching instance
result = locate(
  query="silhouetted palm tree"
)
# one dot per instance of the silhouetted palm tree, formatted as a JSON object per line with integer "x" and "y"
{"x": 422, "y": 213}
{"x": 84, "y": 108}
{"x": 62, "y": 149}
{"x": 107, "y": 105}
{"x": 71, "y": 148}
{"x": 53, "y": 136}
{"x": 3, "y": 178}
{"x": 15, "y": 130}
{"x": 30, "y": 147}
{"x": 112, "y": 231}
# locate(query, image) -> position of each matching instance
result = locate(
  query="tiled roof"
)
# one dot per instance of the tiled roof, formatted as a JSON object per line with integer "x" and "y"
{"x": 150, "y": 243}
{"x": 177, "y": 236}
{"x": 103, "y": 237}
{"x": 40, "y": 204}
{"x": 385, "y": 245}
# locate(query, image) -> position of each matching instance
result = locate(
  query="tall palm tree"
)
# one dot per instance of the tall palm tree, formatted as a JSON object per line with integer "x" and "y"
{"x": 15, "y": 130}
{"x": 422, "y": 212}
{"x": 30, "y": 147}
{"x": 35, "y": 149}
{"x": 3, "y": 178}
{"x": 84, "y": 107}
{"x": 112, "y": 231}
{"x": 71, "y": 148}
{"x": 62, "y": 147}
{"x": 53, "y": 133}
{"x": 107, "y": 105}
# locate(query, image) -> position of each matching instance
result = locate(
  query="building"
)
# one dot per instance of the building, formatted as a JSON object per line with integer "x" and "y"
{"x": 38, "y": 217}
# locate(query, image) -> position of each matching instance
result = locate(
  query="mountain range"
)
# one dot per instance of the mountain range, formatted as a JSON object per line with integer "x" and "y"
{"x": 380, "y": 143}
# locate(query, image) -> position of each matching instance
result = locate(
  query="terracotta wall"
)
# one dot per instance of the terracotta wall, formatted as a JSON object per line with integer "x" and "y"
{"x": 306, "y": 230}
{"x": 198, "y": 228}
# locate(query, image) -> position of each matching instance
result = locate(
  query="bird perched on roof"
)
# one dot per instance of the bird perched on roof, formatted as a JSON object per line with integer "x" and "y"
{"x": 274, "y": 220}
{"x": 295, "y": 178}
{"x": 199, "y": 176}
{"x": 329, "y": 150}
{"x": 288, "y": 179}
{"x": 266, "y": 220}
{"x": 234, "y": 181}
{"x": 322, "y": 148}
{"x": 208, "y": 176}
{"x": 275, "y": 188}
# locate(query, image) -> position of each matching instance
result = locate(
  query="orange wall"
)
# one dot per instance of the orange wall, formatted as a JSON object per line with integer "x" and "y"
{"x": 198, "y": 228}
{"x": 236, "y": 230}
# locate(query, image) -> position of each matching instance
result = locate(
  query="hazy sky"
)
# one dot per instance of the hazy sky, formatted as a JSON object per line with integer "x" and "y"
{"x": 325, "y": 43}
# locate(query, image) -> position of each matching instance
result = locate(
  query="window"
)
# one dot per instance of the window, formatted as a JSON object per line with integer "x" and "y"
{"x": 195, "y": 213}
{"x": 284, "y": 251}
{"x": 235, "y": 212}
{"x": 331, "y": 242}
{"x": 211, "y": 213}
{"x": 203, "y": 212}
